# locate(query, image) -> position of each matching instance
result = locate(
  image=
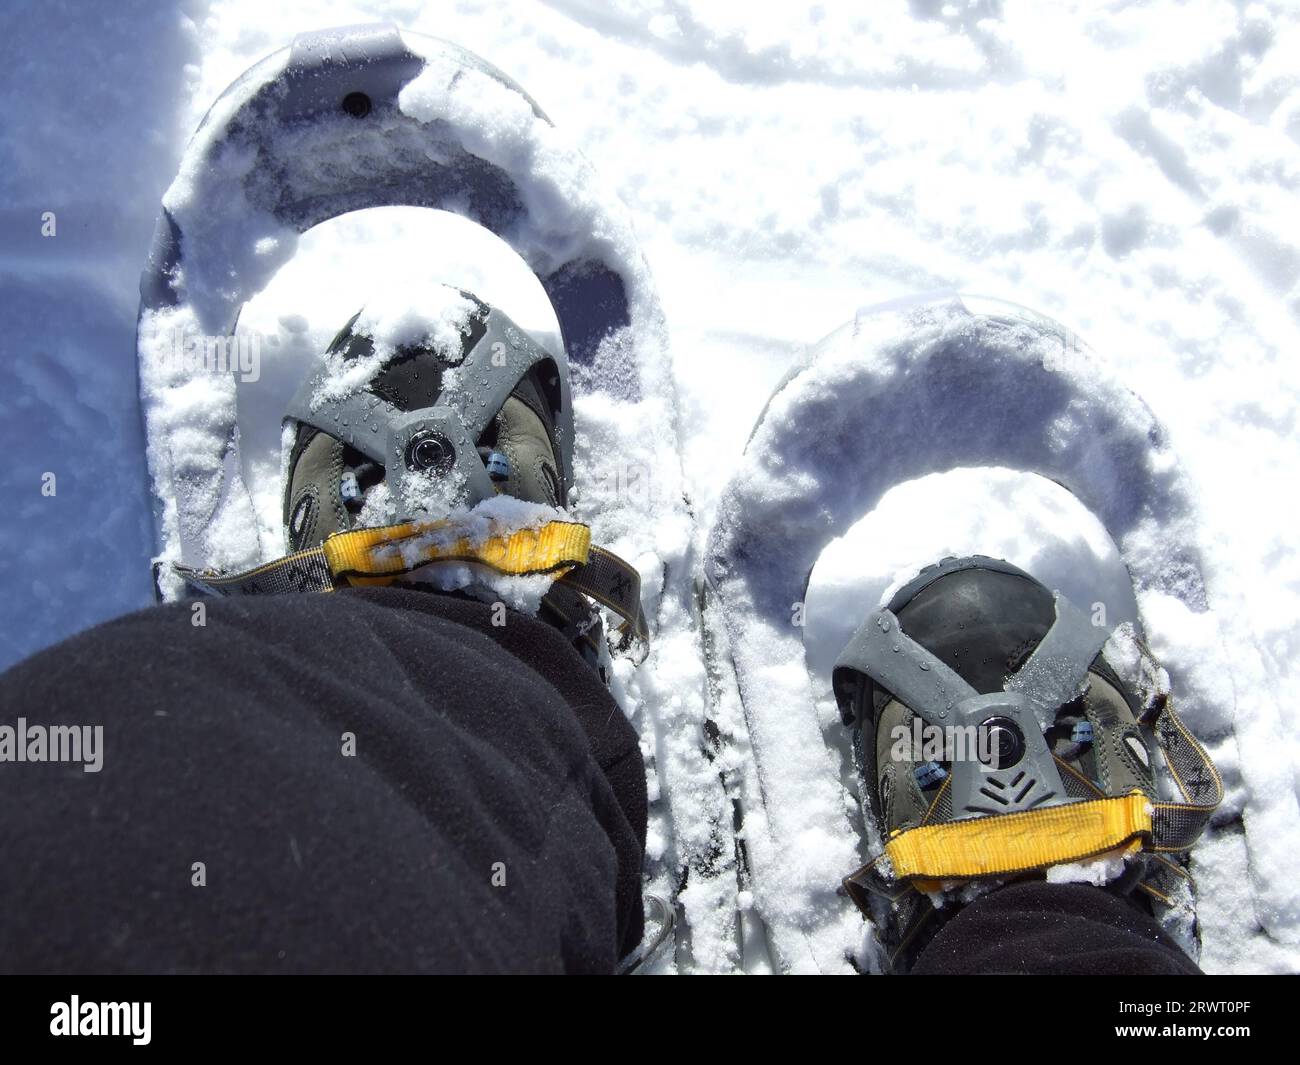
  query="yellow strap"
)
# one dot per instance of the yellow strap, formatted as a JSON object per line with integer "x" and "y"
{"x": 380, "y": 556}
{"x": 1012, "y": 843}
{"x": 376, "y": 556}
{"x": 559, "y": 549}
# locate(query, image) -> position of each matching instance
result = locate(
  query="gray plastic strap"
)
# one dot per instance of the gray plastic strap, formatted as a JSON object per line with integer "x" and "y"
{"x": 1057, "y": 671}
{"x": 1052, "y": 676}
{"x": 901, "y": 666}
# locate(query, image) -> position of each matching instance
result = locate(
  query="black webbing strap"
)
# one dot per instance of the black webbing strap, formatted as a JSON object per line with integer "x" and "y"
{"x": 1175, "y": 826}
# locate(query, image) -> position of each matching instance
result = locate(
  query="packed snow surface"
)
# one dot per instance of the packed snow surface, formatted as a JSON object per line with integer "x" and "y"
{"x": 1128, "y": 169}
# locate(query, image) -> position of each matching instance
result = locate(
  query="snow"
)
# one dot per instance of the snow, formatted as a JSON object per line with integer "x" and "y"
{"x": 1131, "y": 171}
{"x": 435, "y": 317}
{"x": 1100, "y": 870}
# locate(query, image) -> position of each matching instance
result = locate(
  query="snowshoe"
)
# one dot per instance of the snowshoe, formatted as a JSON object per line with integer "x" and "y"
{"x": 371, "y": 116}
{"x": 903, "y": 391}
{"x": 367, "y": 116}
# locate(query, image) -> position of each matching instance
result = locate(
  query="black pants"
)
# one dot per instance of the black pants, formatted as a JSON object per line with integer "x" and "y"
{"x": 375, "y": 780}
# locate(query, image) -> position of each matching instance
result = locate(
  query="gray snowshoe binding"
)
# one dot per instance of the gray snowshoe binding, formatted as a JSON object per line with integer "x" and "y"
{"x": 386, "y": 474}
{"x": 504, "y": 427}
{"x": 998, "y": 731}
{"x": 435, "y": 431}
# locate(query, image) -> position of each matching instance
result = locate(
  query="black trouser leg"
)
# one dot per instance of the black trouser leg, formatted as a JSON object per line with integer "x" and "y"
{"x": 372, "y": 780}
{"x": 1039, "y": 928}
